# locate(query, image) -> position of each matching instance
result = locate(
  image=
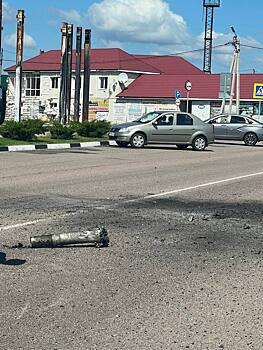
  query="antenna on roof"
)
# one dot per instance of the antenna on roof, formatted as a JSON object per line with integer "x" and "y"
{"x": 123, "y": 78}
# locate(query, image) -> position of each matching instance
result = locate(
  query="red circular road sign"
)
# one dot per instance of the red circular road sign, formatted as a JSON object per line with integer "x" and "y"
{"x": 178, "y": 102}
{"x": 188, "y": 85}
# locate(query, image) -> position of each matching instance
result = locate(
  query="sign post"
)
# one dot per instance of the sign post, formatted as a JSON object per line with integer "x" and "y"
{"x": 177, "y": 99}
{"x": 188, "y": 88}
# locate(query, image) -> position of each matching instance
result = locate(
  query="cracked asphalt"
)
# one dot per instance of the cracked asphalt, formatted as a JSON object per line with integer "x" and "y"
{"x": 183, "y": 271}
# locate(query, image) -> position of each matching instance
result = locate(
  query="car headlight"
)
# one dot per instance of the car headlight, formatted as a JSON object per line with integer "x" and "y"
{"x": 124, "y": 130}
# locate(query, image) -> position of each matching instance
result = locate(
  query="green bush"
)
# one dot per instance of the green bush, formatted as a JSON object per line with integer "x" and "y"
{"x": 26, "y": 130}
{"x": 59, "y": 131}
{"x": 95, "y": 128}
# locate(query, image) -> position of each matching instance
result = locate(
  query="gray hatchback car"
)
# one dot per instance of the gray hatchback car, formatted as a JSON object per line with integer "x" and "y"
{"x": 179, "y": 128}
{"x": 237, "y": 127}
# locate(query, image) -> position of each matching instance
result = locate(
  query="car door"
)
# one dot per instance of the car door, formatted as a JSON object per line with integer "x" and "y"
{"x": 162, "y": 129}
{"x": 220, "y": 126}
{"x": 184, "y": 128}
{"x": 234, "y": 128}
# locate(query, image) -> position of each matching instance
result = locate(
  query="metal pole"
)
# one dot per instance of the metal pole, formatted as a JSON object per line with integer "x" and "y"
{"x": 187, "y": 103}
{"x": 69, "y": 71}
{"x": 62, "y": 97}
{"x": 238, "y": 77}
{"x": 86, "y": 88}
{"x": 222, "y": 110}
{"x": 78, "y": 73}
{"x": 19, "y": 59}
{"x": 233, "y": 83}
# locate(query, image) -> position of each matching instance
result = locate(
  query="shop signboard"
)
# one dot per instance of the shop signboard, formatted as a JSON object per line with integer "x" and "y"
{"x": 97, "y": 107}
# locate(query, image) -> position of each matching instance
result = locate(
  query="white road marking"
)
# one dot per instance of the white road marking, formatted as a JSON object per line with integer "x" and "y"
{"x": 158, "y": 195}
{"x": 185, "y": 189}
{"x": 22, "y": 224}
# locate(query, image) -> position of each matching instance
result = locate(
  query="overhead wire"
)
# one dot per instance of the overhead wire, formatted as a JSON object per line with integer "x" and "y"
{"x": 132, "y": 58}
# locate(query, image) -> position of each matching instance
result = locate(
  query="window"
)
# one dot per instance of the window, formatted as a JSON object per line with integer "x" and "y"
{"x": 184, "y": 119}
{"x": 33, "y": 85}
{"x": 165, "y": 120}
{"x": 235, "y": 119}
{"x": 103, "y": 82}
{"x": 220, "y": 120}
{"x": 54, "y": 82}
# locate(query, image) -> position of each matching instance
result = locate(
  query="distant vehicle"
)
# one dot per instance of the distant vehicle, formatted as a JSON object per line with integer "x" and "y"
{"x": 179, "y": 128}
{"x": 237, "y": 127}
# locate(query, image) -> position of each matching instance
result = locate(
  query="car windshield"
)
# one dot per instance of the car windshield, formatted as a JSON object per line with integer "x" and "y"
{"x": 147, "y": 118}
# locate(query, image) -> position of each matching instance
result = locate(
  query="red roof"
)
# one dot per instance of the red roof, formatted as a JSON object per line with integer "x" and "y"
{"x": 170, "y": 64}
{"x": 101, "y": 59}
{"x": 205, "y": 86}
{"x": 113, "y": 59}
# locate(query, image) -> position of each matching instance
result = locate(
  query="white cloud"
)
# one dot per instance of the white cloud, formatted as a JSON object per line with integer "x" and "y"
{"x": 141, "y": 21}
{"x": 8, "y": 12}
{"x": 130, "y": 22}
{"x": 71, "y": 16}
{"x": 29, "y": 41}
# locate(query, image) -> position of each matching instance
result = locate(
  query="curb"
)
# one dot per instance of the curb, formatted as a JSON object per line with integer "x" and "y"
{"x": 54, "y": 146}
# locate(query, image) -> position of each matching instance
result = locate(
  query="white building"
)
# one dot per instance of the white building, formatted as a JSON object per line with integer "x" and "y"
{"x": 151, "y": 84}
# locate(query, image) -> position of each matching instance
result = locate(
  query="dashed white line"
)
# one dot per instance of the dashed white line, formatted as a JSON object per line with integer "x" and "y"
{"x": 158, "y": 195}
{"x": 22, "y": 224}
{"x": 207, "y": 184}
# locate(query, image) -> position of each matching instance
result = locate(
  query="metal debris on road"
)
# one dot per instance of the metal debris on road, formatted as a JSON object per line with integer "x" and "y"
{"x": 98, "y": 237}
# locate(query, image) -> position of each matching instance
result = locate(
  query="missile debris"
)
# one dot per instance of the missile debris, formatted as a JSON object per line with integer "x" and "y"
{"x": 98, "y": 237}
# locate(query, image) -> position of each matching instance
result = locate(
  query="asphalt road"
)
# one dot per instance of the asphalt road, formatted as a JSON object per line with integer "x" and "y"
{"x": 184, "y": 267}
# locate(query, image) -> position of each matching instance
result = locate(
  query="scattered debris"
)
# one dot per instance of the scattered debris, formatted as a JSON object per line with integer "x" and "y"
{"x": 98, "y": 237}
{"x": 16, "y": 246}
{"x": 246, "y": 227}
{"x": 191, "y": 218}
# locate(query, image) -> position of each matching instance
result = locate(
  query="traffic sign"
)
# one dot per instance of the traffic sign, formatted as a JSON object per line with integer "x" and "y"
{"x": 258, "y": 91}
{"x": 178, "y": 102}
{"x": 188, "y": 85}
{"x": 177, "y": 94}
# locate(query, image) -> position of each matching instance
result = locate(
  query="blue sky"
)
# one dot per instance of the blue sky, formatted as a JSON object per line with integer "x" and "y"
{"x": 140, "y": 26}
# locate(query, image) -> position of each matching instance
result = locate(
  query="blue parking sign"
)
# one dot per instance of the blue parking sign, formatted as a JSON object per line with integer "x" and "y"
{"x": 177, "y": 94}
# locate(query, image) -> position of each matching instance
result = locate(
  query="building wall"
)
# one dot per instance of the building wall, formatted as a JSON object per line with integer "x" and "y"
{"x": 201, "y": 109}
{"x": 127, "y": 110}
{"x": 47, "y": 104}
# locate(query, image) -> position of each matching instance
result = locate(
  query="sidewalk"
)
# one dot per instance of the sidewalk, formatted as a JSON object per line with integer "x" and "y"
{"x": 19, "y": 148}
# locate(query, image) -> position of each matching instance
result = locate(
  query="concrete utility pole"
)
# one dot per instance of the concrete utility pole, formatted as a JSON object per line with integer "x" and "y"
{"x": 19, "y": 59}
{"x": 69, "y": 71}
{"x": 235, "y": 74}
{"x": 63, "y": 74}
{"x": 86, "y": 88}
{"x": 78, "y": 73}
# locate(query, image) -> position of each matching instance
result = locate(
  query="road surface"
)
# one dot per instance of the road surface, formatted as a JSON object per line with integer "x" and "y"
{"x": 184, "y": 267}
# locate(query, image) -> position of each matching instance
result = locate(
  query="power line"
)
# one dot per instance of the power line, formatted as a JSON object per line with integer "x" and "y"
{"x": 252, "y": 47}
{"x": 133, "y": 58}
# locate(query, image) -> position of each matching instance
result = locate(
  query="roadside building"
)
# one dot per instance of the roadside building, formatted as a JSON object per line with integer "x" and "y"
{"x": 124, "y": 86}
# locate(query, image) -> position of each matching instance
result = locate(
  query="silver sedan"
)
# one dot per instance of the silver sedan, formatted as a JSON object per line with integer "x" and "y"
{"x": 182, "y": 129}
{"x": 237, "y": 127}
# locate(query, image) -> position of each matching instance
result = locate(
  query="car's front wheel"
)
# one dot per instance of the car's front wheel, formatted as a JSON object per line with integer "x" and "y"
{"x": 138, "y": 140}
{"x": 199, "y": 143}
{"x": 250, "y": 139}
